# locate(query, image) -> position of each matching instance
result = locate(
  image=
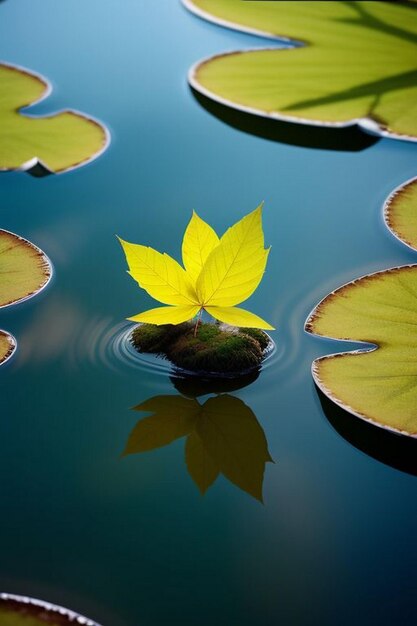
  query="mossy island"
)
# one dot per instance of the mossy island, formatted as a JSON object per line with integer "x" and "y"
{"x": 212, "y": 349}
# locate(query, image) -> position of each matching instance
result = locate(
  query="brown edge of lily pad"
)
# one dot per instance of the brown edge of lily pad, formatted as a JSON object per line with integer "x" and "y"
{"x": 389, "y": 205}
{"x": 315, "y": 367}
{"x": 36, "y": 163}
{"x": 209, "y": 17}
{"x": 44, "y": 263}
{"x": 43, "y": 611}
{"x": 12, "y": 346}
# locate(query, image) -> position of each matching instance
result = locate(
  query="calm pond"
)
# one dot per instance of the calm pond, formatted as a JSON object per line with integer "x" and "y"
{"x": 130, "y": 541}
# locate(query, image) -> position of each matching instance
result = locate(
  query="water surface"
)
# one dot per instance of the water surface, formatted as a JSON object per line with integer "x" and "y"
{"x": 130, "y": 541}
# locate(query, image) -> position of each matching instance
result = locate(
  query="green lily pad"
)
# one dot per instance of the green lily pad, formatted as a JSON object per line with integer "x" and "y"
{"x": 357, "y": 63}
{"x": 223, "y": 436}
{"x": 57, "y": 142}
{"x": 400, "y": 213}
{"x": 24, "y": 271}
{"x": 7, "y": 346}
{"x": 376, "y": 383}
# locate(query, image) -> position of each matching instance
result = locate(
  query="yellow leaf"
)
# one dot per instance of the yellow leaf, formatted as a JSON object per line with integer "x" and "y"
{"x": 159, "y": 274}
{"x": 219, "y": 274}
{"x": 166, "y": 315}
{"x": 199, "y": 240}
{"x": 235, "y": 267}
{"x": 238, "y": 317}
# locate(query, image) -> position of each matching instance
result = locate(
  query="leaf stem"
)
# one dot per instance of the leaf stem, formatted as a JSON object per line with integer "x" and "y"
{"x": 200, "y": 313}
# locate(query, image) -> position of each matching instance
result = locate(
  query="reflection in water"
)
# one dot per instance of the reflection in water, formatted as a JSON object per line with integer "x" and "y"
{"x": 194, "y": 386}
{"x": 350, "y": 138}
{"x": 222, "y": 434}
{"x": 397, "y": 451}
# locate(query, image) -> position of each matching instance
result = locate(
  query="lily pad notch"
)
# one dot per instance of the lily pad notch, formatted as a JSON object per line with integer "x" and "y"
{"x": 400, "y": 213}
{"x": 377, "y": 383}
{"x": 261, "y": 81}
{"x": 209, "y": 17}
{"x": 24, "y": 272}
{"x": 49, "y": 144}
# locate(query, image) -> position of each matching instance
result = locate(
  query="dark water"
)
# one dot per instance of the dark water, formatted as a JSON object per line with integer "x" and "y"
{"x": 130, "y": 541}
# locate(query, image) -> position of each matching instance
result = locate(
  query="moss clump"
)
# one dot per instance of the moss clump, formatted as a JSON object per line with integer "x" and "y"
{"x": 215, "y": 349}
{"x": 259, "y": 336}
{"x": 156, "y": 339}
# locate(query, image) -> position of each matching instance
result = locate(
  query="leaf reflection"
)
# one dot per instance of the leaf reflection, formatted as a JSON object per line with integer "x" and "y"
{"x": 223, "y": 437}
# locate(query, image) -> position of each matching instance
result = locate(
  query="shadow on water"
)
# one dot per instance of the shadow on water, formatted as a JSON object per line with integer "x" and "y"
{"x": 37, "y": 170}
{"x": 399, "y": 452}
{"x": 222, "y": 434}
{"x": 193, "y": 386}
{"x": 351, "y": 139}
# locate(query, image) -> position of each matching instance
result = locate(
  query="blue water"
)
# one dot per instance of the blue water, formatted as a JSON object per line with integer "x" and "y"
{"x": 130, "y": 541}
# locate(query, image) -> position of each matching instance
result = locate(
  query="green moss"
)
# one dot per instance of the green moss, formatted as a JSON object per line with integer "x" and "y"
{"x": 156, "y": 339}
{"x": 206, "y": 332}
{"x": 214, "y": 349}
{"x": 259, "y": 336}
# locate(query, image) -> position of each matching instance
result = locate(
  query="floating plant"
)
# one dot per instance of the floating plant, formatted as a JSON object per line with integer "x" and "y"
{"x": 23, "y": 611}
{"x": 218, "y": 273}
{"x": 24, "y": 271}
{"x": 53, "y": 143}
{"x": 400, "y": 213}
{"x": 355, "y": 63}
{"x": 223, "y": 437}
{"x": 376, "y": 383}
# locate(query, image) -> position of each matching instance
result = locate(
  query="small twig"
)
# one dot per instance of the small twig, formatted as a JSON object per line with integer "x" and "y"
{"x": 197, "y": 322}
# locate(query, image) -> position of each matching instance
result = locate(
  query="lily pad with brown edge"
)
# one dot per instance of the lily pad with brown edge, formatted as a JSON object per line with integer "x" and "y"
{"x": 7, "y": 346}
{"x": 57, "y": 142}
{"x": 400, "y": 213}
{"x": 377, "y": 383}
{"x": 356, "y": 63}
{"x": 24, "y": 271}
{"x": 23, "y": 611}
